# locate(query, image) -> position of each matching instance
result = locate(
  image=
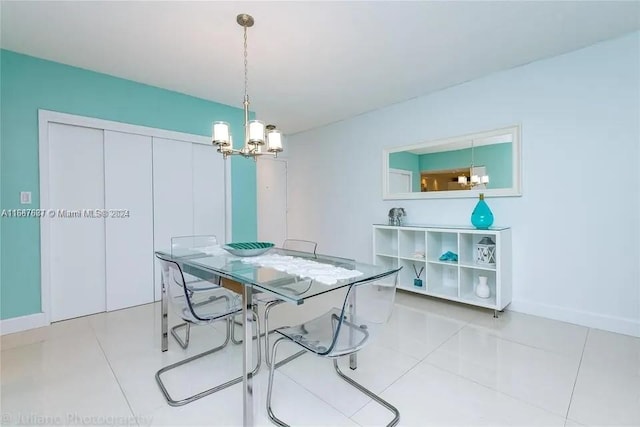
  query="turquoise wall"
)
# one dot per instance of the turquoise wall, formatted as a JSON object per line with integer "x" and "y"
{"x": 28, "y": 84}
{"x": 409, "y": 162}
{"x": 496, "y": 158}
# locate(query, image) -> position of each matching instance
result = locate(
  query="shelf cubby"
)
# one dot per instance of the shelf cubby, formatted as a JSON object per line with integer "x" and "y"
{"x": 469, "y": 278}
{"x": 443, "y": 279}
{"x": 439, "y": 242}
{"x": 468, "y": 242}
{"x": 386, "y": 261}
{"x": 407, "y": 274}
{"x": 386, "y": 241}
{"x": 412, "y": 244}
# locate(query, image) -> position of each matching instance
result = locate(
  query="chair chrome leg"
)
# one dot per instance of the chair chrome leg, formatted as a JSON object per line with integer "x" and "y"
{"x": 233, "y": 328}
{"x": 184, "y": 344}
{"x": 372, "y": 395}
{"x": 207, "y": 392}
{"x": 267, "y": 308}
{"x": 234, "y": 322}
{"x": 272, "y": 368}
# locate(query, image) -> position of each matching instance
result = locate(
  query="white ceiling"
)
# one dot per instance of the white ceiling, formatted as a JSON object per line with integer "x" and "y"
{"x": 310, "y": 63}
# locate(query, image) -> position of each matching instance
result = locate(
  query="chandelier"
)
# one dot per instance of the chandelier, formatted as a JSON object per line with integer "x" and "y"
{"x": 474, "y": 178}
{"x": 256, "y": 134}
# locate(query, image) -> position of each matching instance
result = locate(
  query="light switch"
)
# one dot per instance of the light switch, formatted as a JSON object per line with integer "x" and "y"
{"x": 25, "y": 197}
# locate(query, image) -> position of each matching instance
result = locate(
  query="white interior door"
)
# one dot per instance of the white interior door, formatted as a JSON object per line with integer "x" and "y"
{"x": 129, "y": 239}
{"x": 172, "y": 195}
{"x": 272, "y": 200}
{"x": 77, "y": 244}
{"x": 208, "y": 192}
{"x": 400, "y": 181}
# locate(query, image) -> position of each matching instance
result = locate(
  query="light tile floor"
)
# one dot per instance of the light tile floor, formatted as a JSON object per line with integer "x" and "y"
{"x": 440, "y": 363}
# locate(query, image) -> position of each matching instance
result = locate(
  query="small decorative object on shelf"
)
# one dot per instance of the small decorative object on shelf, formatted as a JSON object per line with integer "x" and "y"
{"x": 418, "y": 281}
{"x": 485, "y": 251}
{"x": 396, "y": 216}
{"x": 482, "y": 217}
{"x": 418, "y": 254}
{"x": 482, "y": 288}
{"x": 449, "y": 256}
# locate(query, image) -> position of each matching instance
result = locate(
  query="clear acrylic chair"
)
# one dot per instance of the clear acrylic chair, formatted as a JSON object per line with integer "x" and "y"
{"x": 300, "y": 245}
{"x": 185, "y": 246}
{"x": 270, "y": 301}
{"x": 204, "y": 307}
{"x": 343, "y": 331}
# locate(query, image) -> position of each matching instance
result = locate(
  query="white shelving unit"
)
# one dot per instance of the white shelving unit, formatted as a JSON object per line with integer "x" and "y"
{"x": 422, "y": 246}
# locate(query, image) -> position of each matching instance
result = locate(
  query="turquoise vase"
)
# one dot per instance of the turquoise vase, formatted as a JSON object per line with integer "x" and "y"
{"x": 481, "y": 217}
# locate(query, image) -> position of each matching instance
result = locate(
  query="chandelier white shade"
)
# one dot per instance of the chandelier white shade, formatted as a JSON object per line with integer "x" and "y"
{"x": 256, "y": 133}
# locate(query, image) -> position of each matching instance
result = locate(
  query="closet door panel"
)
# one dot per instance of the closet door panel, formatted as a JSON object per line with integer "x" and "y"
{"x": 172, "y": 195}
{"x": 129, "y": 225}
{"x": 208, "y": 192}
{"x": 77, "y": 241}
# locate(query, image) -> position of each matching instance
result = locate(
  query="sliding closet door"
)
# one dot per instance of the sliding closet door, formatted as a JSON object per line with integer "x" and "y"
{"x": 172, "y": 195}
{"x": 208, "y": 192}
{"x": 76, "y": 182}
{"x": 129, "y": 227}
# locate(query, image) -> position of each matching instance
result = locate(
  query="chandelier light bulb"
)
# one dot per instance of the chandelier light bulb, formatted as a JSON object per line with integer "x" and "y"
{"x": 274, "y": 141}
{"x": 256, "y": 132}
{"x": 220, "y": 132}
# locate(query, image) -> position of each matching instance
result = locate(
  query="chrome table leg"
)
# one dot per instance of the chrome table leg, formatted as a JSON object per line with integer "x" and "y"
{"x": 247, "y": 345}
{"x": 164, "y": 317}
{"x": 353, "y": 358}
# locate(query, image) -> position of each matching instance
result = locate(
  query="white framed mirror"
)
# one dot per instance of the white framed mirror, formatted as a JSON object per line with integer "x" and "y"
{"x": 484, "y": 162}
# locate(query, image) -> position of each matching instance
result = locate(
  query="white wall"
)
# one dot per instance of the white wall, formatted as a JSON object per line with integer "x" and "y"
{"x": 575, "y": 236}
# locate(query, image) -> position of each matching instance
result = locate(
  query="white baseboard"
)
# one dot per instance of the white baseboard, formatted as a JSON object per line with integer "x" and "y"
{"x": 622, "y": 325}
{"x": 22, "y": 323}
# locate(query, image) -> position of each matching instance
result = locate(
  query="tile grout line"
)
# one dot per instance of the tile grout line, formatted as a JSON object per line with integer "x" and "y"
{"x": 577, "y": 373}
{"x": 106, "y": 358}
{"x": 419, "y": 361}
{"x": 489, "y": 332}
{"x": 495, "y": 389}
{"x": 313, "y": 393}
{"x": 356, "y": 390}
{"x": 555, "y": 414}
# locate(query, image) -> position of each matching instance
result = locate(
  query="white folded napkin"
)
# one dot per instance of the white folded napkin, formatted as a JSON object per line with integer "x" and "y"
{"x": 307, "y": 269}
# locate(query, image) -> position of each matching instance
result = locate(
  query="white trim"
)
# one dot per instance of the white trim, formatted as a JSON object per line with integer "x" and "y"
{"x": 44, "y": 118}
{"x": 621, "y": 325}
{"x": 22, "y": 323}
{"x": 91, "y": 122}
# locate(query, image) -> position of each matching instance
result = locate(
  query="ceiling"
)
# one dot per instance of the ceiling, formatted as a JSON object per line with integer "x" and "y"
{"x": 310, "y": 63}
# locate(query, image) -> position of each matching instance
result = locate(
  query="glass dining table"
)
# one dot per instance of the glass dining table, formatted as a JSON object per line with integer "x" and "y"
{"x": 251, "y": 279}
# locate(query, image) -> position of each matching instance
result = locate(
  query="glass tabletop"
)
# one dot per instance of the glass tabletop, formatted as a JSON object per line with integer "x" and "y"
{"x": 288, "y": 287}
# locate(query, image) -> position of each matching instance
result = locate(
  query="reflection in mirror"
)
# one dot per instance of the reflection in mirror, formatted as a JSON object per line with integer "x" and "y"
{"x": 455, "y": 167}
